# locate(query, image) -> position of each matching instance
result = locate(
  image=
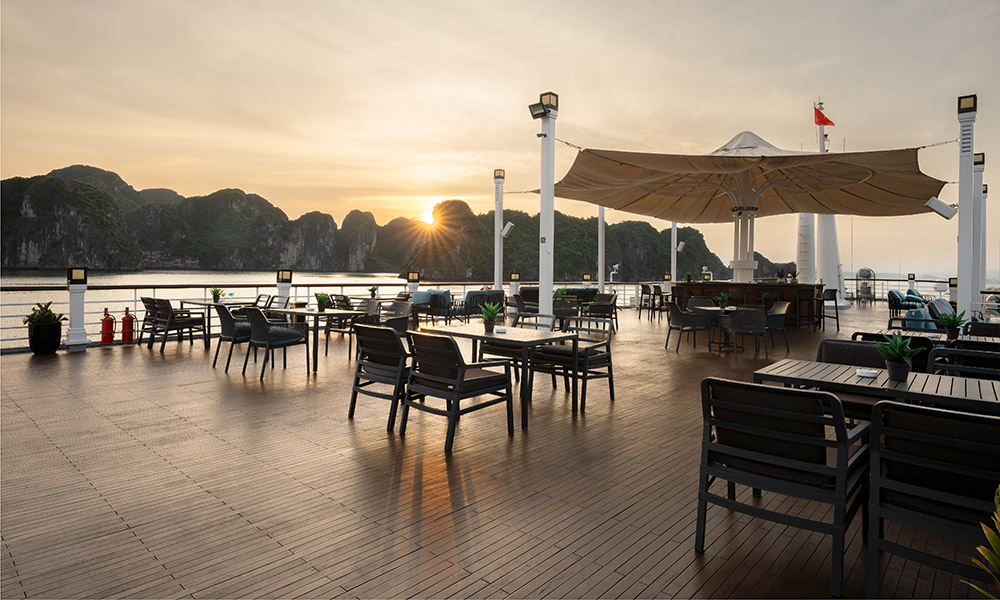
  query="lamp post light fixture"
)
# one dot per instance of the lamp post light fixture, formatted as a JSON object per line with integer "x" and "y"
{"x": 668, "y": 277}
{"x": 76, "y": 283}
{"x": 284, "y": 276}
{"x": 515, "y": 283}
{"x": 412, "y": 281}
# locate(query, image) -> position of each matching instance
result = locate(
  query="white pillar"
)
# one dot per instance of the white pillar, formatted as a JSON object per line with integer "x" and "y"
{"x": 828, "y": 267}
{"x": 966, "y": 212}
{"x": 673, "y": 252}
{"x": 284, "y": 289}
{"x": 546, "y": 217}
{"x": 978, "y": 231}
{"x": 600, "y": 249}
{"x": 76, "y": 339}
{"x": 498, "y": 176}
{"x": 805, "y": 255}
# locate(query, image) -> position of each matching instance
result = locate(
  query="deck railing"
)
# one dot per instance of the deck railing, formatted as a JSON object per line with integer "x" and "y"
{"x": 17, "y": 301}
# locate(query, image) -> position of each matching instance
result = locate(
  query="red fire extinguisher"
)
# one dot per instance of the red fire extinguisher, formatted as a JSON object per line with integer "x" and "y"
{"x": 128, "y": 327}
{"x": 107, "y": 328}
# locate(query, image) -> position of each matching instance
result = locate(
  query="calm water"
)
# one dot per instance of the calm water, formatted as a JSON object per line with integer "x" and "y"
{"x": 14, "y": 305}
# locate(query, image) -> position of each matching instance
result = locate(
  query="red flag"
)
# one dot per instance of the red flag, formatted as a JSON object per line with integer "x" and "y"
{"x": 821, "y": 118}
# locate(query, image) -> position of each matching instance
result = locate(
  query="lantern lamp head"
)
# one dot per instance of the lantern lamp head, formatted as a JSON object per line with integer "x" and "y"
{"x": 515, "y": 276}
{"x": 967, "y": 104}
{"x": 76, "y": 275}
{"x": 284, "y": 276}
{"x": 413, "y": 277}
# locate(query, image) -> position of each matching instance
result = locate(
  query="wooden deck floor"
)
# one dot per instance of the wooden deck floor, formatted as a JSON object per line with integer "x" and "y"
{"x": 128, "y": 473}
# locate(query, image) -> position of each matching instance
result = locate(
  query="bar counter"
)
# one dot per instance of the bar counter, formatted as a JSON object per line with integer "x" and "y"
{"x": 753, "y": 293}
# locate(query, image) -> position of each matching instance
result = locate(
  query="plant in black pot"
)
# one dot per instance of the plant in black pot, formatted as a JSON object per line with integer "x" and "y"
{"x": 490, "y": 313}
{"x": 722, "y": 299}
{"x": 688, "y": 276}
{"x": 216, "y": 293}
{"x": 374, "y": 290}
{"x": 322, "y": 300}
{"x": 952, "y": 323}
{"x": 898, "y": 355}
{"x": 44, "y": 329}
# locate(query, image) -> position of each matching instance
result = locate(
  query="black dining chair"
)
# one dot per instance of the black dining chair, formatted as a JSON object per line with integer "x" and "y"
{"x": 170, "y": 319}
{"x": 787, "y": 441}
{"x": 382, "y": 361}
{"x": 980, "y": 364}
{"x": 685, "y": 322}
{"x": 919, "y": 360}
{"x": 267, "y": 335}
{"x": 439, "y": 371}
{"x": 776, "y": 321}
{"x": 933, "y": 471}
{"x": 592, "y": 360}
{"x": 230, "y": 330}
{"x": 746, "y": 320}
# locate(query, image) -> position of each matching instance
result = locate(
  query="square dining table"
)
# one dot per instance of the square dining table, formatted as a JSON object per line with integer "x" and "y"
{"x": 967, "y": 394}
{"x": 525, "y": 339}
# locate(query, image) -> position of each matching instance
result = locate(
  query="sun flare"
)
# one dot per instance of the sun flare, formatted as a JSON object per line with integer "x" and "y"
{"x": 428, "y": 216}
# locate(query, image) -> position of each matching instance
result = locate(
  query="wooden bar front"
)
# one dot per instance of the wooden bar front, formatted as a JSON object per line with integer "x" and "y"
{"x": 753, "y": 293}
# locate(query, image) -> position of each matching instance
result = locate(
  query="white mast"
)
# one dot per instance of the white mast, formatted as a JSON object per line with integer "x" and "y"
{"x": 966, "y": 199}
{"x": 498, "y": 176}
{"x": 828, "y": 267}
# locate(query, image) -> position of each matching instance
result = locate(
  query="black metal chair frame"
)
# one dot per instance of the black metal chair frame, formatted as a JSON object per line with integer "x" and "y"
{"x": 682, "y": 322}
{"x": 382, "y": 359}
{"x": 776, "y": 439}
{"x": 645, "y": 298}
{"x": 964, "y": 363}
{"x": 498, "y": 348}
{"x": 828, "y": 295}
{"x": 439, "y": 371}
{"x": 776, "y": 320}
{"x": 593, "y": 359}
{"x": 229, "y": 331}
{"x": 260, "y": 337}
{"x": 745, "y": 321}
{"x": 170, "y": 319}
{"x": 934, "y": 470}
{"x": 148, "y": 319}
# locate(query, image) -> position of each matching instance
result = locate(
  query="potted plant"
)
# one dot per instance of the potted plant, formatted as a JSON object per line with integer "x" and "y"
{"x": 792, "y": 277}
{"x": 490, "y": 313}
{"x": 990, "y": 553}
{"x": 216, "y": 293}
{"x": 322, "y": 300}
{"x": 44, "y": 329}
{"x": 688, "y": 276}
{"x": 898, "y": 355}
{"x": 722, "y": 299}
{"x": 952, "y": 323}
{"x": 374, "y": 290}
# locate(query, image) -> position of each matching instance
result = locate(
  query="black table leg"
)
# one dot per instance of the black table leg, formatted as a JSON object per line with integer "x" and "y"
{"x": 525, "y": 392}
{"x": 315, "y": 340}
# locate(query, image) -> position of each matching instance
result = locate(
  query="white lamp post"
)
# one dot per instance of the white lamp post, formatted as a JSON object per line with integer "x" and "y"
{"x": 978, "y": 227}
{"x": 546, "y": 109}
{"x": 966, "y": 198}
{"x": 600, "y": 249}
{"x": 76, "y": 281}
{"x": 498, "y": 176}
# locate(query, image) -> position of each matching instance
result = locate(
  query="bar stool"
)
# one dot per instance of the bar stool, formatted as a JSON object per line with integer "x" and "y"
{"x": 645, "y": 298}
{"x": 805, "y": 300}
{"x": 829, "y": 295}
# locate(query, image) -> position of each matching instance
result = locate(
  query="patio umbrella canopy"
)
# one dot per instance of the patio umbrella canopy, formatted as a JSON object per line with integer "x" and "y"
{"x": 746, "y": 178}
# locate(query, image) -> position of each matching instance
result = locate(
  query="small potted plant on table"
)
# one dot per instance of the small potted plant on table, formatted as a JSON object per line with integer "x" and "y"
{"x": 688, "y": 276}
{"x": 898, "y": 355}
{"x": 322, "y": 300}
{"x": 374, "y": 290}
{"x": 44, "y": 329}
{"x": 490, "y": 312}
{"x": 722, "y": 299}
{"x": 952, "y": 323}
{"x": 216, "y": 293}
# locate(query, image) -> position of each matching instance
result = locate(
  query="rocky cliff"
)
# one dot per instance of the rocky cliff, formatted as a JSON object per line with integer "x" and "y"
{"x": 88, "y": 216}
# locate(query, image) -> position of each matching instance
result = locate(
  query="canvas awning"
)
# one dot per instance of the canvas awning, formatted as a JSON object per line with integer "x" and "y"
{"x": 747, "y": 178}
{"x": 691, "y": 188}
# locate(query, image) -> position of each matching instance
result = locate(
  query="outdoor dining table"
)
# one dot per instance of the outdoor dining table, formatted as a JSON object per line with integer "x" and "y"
{"x": 330, "y": 313}
{"x": 968, "y": 394}
{"x": 526, "y": 339}
{"x": 714, "y": 312}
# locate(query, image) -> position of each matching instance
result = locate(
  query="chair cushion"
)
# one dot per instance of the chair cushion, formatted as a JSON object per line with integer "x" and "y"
{"x": 476, "y": 380}
{"x": 919, "y": 313}
{"x": 421, "y": 298}
{"x": 283, "y": 336}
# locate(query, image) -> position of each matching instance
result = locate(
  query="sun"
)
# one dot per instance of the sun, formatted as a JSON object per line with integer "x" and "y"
{"x": 428, "y": 216}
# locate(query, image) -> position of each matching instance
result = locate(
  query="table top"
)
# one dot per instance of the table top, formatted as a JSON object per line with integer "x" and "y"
{"x": 210, "y": 303}
{"x": 330, "y": 312}
{"x": 960, "y": 393}
{"x": 515, "y": 335}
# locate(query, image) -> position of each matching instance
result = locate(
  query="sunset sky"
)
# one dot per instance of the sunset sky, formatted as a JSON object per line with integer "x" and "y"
{"x": 390, "y": 107}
